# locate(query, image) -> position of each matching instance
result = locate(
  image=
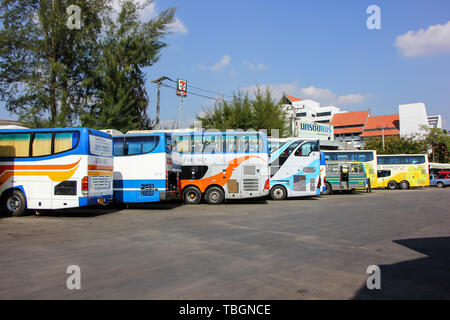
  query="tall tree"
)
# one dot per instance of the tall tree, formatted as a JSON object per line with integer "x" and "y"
{"x": 128, "y": 46}
{"x": 246, "y": 113}
{"x": 43, "y": 62}
{"x": 397, "y": 145}
{"x": 438, "y": 141}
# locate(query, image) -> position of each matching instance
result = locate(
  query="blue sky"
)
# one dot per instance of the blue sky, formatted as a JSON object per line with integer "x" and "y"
{"x": 310, "y": 49}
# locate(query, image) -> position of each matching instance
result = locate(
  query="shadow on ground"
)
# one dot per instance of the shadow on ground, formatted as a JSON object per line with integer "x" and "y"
{"x": 423, "y": 278}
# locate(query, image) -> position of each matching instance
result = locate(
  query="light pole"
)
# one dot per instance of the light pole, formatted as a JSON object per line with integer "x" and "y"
{"x": 158, "y": 82}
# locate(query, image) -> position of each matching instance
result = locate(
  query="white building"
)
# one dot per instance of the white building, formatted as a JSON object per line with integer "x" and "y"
{"x": 306, "y": 111}
{"x": 413, "y": 116}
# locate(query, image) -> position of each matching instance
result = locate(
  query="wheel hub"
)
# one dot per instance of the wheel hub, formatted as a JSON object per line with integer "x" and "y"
{"x": 13, "y": 203}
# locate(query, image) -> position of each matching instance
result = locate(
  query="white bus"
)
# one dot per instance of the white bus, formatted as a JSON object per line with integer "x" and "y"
{"x": 54, "y": 169}
{"x": 295, "y": 169}
{"x": 223, "y": 165}
{"x": 146, "y": 169}
{"x": 403, "y": 171}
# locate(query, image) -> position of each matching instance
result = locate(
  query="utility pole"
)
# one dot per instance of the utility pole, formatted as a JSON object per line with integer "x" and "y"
{"x": 158, "y": 82}
{"x": 382, "y": 133}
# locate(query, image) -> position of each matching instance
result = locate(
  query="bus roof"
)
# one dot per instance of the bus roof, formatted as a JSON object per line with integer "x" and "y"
{"x": 94, "y": 131}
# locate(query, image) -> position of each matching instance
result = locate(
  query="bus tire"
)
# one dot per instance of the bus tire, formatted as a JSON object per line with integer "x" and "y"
{"x": 14, "y": 203}
{"x": 440, "y": 184}
{"x": 214, "y": 195}
{"x": 404, "y": 185}
{"x": 278, "y": 193}
{"x": 392, "y": 185}
{"x": 192, "y": 195}
{"x": 328, "y": 189}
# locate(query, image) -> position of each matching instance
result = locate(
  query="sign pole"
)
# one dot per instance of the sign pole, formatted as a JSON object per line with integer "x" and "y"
{"x": 181, "y": 112}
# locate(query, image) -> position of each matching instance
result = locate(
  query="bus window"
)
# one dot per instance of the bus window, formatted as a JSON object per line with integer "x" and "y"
{"x": 65, "y": 141}
{"x": 417, "y": 159}
{"x": 140, "y": 145}
{"x": 306, "y": 148}
{"x": 212, "y": 143}
{"x": 182, "y": 144}
{"x": 118, "y": 148}
{"x": 196, "y": 143}
{"x": 384, "y": 173}
{"x": 42, "y": 144}
{"x": 253, "y": 144}
{"x": 230, "y": 143}
{"x": 15, "y": 144}
{"x": 244, "y": 143}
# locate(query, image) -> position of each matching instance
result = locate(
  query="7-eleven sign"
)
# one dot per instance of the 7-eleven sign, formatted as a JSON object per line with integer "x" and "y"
{"x": 181, "y": 87}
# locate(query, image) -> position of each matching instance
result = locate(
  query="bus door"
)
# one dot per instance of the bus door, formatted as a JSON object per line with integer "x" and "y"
{"x": 305, "y": 167}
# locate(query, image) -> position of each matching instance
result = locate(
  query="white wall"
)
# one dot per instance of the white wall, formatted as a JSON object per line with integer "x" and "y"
{"x": 411, "y": 117}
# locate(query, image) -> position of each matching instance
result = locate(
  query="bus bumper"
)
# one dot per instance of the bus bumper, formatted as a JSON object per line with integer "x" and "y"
{"x": 168, "y": 195}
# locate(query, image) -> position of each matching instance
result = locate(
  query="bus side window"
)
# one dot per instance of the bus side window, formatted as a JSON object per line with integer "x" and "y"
{"x": 65, "y": 141}
{"x": 118, "y": 146}
{"x": 244, "y": 144}
{"x": 15, "y": 144}
{"x": 42, "y": 144}
{"x": 306, "y": 149}
{"x": 230, "y": 143}
{"x": 253, "y": 146}
{"x": 212, "y": 143}
{"x": 383, "y": 173}
{"x": 183, "y": 144}
{"x": 196, "y": 144}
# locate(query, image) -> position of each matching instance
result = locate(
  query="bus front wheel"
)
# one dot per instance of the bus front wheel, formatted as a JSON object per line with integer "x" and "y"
{"x": 440, "y": 184}
{"x": 392, "y": 185}
{"x": 278, "y": 193}
{"x": 14, "y": 203}
{"x": 192, "y": 195}
{"x": 214, "y": 195}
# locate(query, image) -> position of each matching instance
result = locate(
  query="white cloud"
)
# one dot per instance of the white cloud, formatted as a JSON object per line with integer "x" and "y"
{"x": 435, "y": 39}
{"x": 253, "y": 67}
{"x": 325, "y": 96}
{"x": 224, "y": 61}
{"x": 178, "y": 27}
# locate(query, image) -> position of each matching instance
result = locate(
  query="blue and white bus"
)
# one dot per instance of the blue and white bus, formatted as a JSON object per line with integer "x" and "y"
{"x": 54, "y": 169}
{"x": 146, "y": 168}
{"x": 217, "y": 166}
{"x": 295, "y": 169}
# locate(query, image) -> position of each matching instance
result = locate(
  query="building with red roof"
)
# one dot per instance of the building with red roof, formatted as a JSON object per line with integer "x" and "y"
{"x": 382, "y": 125}
{"x": 348, "y": 126}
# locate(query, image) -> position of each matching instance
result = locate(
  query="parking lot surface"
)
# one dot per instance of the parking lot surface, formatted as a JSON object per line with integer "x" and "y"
{"x": 308, "y": 248}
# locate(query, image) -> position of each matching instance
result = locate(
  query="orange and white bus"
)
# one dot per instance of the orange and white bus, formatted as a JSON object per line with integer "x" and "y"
{"x": 54, "y": 169}
{"x": 223, "y": 165}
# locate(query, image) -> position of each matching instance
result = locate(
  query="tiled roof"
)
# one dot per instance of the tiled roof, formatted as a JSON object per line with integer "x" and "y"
{"x": 379, "y": 122}
{"x": 390, "y": 121}
{"x": 349, "y": 119}
{"x": 292, "y": 99}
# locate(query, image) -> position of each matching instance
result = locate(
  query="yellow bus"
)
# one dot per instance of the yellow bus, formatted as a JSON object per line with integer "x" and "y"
{"x": 367, "y": 157}
{"x": 403, "y": 171}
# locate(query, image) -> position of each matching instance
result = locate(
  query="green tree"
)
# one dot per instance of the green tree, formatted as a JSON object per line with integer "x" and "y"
{"x": 438, "y": 141}
{"x": 397, "y": 145}
{"x": 129, "y": 46}
{"x": 42, "y": 62}
{"x": 246, "y": 113}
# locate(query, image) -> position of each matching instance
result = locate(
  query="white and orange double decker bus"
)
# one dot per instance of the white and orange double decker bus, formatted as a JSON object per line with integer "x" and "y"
{"x": 54, "y": 169}
{"x": 223, "y": 165}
